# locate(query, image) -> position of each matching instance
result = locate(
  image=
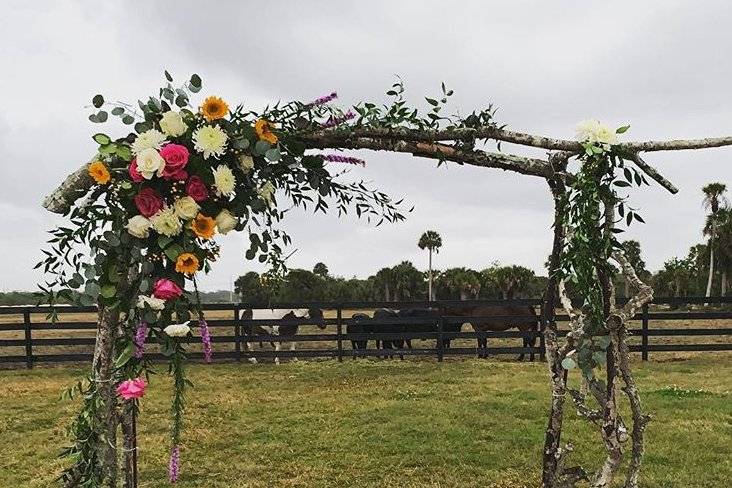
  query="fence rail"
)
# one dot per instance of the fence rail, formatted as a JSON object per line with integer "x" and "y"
{"x": 232, "y": 331}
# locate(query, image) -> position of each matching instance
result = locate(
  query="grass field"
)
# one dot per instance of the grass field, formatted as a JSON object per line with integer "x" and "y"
{"x": 376, "y": 424}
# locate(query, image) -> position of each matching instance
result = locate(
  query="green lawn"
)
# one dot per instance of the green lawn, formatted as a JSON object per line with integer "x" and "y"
{"x": 376, "y": 423}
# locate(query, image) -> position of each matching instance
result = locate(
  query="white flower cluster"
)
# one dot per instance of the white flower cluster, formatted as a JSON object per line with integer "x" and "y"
{"x": 178, "y": 330}
{"x": 592, "y": 131}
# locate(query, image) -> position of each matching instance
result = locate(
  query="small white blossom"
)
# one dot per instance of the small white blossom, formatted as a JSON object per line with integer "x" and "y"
{"x": 178, "y": 330}
{"x": 592, "y": 131}
{"x": 152, "y": 302}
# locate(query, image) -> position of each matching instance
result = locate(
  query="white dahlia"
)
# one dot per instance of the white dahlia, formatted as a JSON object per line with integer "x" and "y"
{"x": 166, "y": 222}
{"x": 224, "y": 180}
{"x": 210, "y": 140}
{"x": 150, "y": 139}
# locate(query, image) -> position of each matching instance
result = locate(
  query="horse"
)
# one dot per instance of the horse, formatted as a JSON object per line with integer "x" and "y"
{"x": 285, "y": 330}
{"x": 359, "y": 324}
{"x": 498, "y": 318}
{"x": 362, "y": 325}
{"x": 429, "y": 326}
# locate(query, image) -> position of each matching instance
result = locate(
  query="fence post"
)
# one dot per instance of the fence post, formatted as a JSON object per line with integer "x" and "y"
{"x": 440, "y": 339}
{"x": 28, "y": 339}
{"x": 237, "y": 334}
{"x": 644, "y": 333}
{"x": 542, "y": 327}
{"x": 339, "y": 317}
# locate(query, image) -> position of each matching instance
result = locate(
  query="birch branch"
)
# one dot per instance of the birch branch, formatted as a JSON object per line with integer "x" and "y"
{"x": 75, "y": 186}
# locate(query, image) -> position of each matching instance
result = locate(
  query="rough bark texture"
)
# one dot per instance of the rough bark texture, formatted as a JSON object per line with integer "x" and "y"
{"x": 552, "y": 453}
{"x": 102, "y": 373}
{"x": 129, "y": 432}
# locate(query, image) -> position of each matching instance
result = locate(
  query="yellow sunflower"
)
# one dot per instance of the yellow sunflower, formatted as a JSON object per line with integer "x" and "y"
{"x": 203, "y": 226}
{"x": 263, "y": 128}
{"x": 99, "y": 172}
{"x": 186, "y": 263}
{"x": 214, "y": 108}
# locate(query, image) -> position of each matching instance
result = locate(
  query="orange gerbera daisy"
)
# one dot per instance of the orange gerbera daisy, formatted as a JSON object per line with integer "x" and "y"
{"x": 203, "y": 226}
{"x": 214, "y": 108}
{"x": 263, "y": 128}
{"x": 99, "y": 172}
{"x": 186, "y": 263}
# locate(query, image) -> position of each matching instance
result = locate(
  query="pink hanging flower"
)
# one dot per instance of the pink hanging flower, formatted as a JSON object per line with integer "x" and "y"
{"x": 337, "y": 158}
{"x": 176, "y": 158}
{"x": 334, "y": 121}
{"x": 140, "y": 335}
{"x": 166, "y": 289}
{"x": 205, "y": 340}
{"x": 130, "y": 389}
{"x": 323, "y": 100}
{"x": 174, "y": 464}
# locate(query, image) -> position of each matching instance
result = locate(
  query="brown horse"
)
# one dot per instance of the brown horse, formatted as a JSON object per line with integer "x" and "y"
{"x": 498, "y": 318}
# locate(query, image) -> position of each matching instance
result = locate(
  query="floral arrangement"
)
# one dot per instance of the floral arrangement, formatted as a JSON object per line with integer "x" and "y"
{"x": 161, "y": 195}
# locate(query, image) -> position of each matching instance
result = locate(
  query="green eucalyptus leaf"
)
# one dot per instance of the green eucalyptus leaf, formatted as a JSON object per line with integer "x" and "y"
{"x": 101, "y": 139}
{"x": 108, "y": 291}
{"x": 273, "y": 154}
{"x": 97, "y": 101}
{"x": 568, "y": 363}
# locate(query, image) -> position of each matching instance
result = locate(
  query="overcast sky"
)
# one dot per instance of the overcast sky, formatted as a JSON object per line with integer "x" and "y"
{"x": 661, "y": 66}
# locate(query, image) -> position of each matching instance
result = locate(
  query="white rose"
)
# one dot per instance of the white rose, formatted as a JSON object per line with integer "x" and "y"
{"x": 224, "y": 180}
{"x": 226, "y": 222}
{"x": 186, "y": 208}
{"x": 246, "y": 163}
{"x": 152, "y": 302}
{"x": 150, "y": 139}
{"x": 172, "y": 124}
{"x": 166, "y": 222}
{"x": 150, "y": 162}
{"x": 138, "y": 226}
{"x": 592, "y": 131}
{"x": 178, "y": 330}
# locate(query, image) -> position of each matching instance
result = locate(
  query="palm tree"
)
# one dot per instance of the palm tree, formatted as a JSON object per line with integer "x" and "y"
{"x": 460, "y": 281}
{"x": 432, "y": 241}
{"x": 714, "y": 198}
{"x": 384, "y": 280}
{"x": 724, "y": 245}
{"x": 507, "y": 280}
{"x": 321, "y": 269}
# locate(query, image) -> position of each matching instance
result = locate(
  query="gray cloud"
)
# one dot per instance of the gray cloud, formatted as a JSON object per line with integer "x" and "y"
{"x": 661, "y": 66}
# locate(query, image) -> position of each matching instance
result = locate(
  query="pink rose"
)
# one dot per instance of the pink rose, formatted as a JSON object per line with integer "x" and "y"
{"x": 134, "y": 173}
{"x": 176, "y": 158}
{"x": 196, "y": 189}
{"x": 130, "y": 389}
{"x": 166, "y": 289}
{"x": 148, "y": 202}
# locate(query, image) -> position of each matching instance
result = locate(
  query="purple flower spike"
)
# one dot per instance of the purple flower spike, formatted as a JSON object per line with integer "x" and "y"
{"x": 205, "y": 340}
{"x": 337, "y": 158}
{"x": 174, "y": 465}
{"x": 323, "y": 100}
{"x": 334, "y": 121}
{"x": 140, "y": 335}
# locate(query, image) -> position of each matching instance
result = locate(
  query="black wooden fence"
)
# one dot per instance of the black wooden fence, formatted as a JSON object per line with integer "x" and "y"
{"x": 230, "y": 339}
